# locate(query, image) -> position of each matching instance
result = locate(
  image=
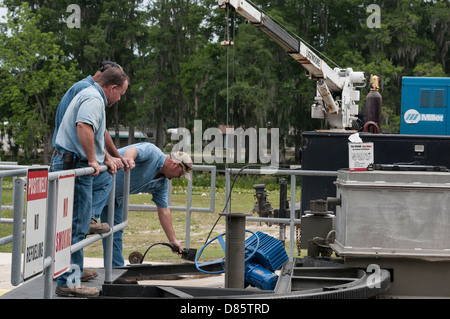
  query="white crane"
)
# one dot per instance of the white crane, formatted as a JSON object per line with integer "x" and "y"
{"x": 336, "y": 88}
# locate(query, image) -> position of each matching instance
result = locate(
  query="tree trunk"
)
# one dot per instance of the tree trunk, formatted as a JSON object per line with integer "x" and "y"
{"x": 131, "y": 135}
{"x": 116, "y": 126}
{"x": 160, "y": 135}
{"x": 48, "y": 147}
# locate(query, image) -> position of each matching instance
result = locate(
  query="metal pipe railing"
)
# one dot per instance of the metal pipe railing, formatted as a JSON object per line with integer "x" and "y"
{"x": 292, "y": 221}
{"x": 18, "y": 202}
{"x": 17, "y": 221}
{"x": 212, "y": 203}
{"x": 189, "y": 209}
{"x": 18, "y": 198}
{"x": 50, "y": 237}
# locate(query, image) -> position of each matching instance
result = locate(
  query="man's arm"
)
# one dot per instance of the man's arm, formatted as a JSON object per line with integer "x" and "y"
{"x": 111, "y": 162}
{"x": 130, "y": 156}
{"x": 165, "y": 218}
{"x": 112, "y": 150}
{"x": 86, "y": 137}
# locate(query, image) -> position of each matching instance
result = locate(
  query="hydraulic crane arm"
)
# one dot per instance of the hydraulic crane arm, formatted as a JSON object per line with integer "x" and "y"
{"x": 317, "y": 68}
{"x": 333, "y": 83}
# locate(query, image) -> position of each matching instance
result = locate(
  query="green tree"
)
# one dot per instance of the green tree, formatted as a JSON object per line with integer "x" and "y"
{"x": 34, "y": 80}
{"x": 437, "y": 17}
{"x": 171, "y": 50}
{"x": 174, "y": 64}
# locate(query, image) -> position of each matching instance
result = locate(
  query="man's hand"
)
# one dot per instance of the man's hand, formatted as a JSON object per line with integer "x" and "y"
{"x": 177, "y": 244}
{"x": 96, "y": 166}
{"x": 128, "y": 163}
{"x": 114, "y": 164}
{"x": 128, "y": 157}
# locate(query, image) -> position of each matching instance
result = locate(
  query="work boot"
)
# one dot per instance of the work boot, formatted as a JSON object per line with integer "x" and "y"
{"x": 77, "y": 291}
{"x": 88, "y": 274}
{"x": 97, "y": 228}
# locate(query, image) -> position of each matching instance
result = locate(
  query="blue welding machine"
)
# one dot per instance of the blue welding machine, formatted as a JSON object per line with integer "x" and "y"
{"x": 425, "y": 106}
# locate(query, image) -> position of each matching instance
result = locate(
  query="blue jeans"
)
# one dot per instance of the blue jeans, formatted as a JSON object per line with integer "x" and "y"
{"x": 100, "y": 192}
{"x": 157, "y": 188}
{"x": 90, "y": 196}
{"x": 117, "y": 255}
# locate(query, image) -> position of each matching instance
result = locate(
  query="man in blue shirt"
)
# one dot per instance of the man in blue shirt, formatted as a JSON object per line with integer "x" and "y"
{"x": 74, "y": 90}
{"x": 95, "y": 228}
{"x": 82, "y": 135}
{"x": 151, "y": 174}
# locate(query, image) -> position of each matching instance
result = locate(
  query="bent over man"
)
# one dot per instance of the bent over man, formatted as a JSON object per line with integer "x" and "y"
{"x": 151, "y": 174}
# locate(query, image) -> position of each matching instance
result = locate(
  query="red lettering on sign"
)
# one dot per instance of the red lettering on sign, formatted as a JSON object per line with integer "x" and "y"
{"x": 37, "y": 185}
{"x": 66, "y": 207}
{"x": 63, "y": 239}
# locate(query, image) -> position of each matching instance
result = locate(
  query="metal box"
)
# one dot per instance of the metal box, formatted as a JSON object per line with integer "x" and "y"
{"x": 425, "y": 106}
{"x": 329, "y": 152}
{"x": 393, "y": 214}
{"x": 315, "y": 226}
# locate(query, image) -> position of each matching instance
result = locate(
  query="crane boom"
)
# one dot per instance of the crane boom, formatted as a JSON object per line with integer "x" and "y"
{"x": 336, "y": 92}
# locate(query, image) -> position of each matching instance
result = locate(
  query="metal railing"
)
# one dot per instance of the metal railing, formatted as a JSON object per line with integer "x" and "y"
{"x": 292, "y": 221}
{"x": 189, "y": 209}
{"x": 16, "y": 238}
{"x": 18, "y": 202}
{"x": 19, "y": 184}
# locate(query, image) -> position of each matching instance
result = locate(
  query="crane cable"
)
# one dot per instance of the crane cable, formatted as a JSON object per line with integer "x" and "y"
{"x": 230, "y": 42}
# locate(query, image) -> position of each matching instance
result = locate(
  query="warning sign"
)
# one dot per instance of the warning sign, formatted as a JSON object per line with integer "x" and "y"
{"x": 36, "y": 213}
{"x": 63, "y": 224}
{"x": 360, "y": 156}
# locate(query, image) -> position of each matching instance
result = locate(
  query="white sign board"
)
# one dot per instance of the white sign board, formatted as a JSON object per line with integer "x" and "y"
{"x": 63, "y": 225}
{"x": 360, "y": 156}
{"x": 36, "y": 213}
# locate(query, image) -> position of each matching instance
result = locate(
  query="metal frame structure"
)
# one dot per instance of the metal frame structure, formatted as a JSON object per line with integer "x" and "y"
{"x": 16, "y": 237}
{"x": 292, "y": 221}
{"x": 18, "y": 200}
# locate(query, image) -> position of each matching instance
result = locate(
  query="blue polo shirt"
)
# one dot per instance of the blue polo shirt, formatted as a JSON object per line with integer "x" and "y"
{"x": 65, "y": 101}
{"x": 149, "y": 161}
{"x": 88, "y": 107}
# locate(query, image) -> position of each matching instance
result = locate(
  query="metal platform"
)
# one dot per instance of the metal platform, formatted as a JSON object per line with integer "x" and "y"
{"x": 34, "y": 289}
{"x": 299, "y": 280}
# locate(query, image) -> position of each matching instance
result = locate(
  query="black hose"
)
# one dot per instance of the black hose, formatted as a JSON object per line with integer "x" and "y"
{"x": 173, "y": 247}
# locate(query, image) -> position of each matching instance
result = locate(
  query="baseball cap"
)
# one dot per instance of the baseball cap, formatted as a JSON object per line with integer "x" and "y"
{"x": 186, "y": 162}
